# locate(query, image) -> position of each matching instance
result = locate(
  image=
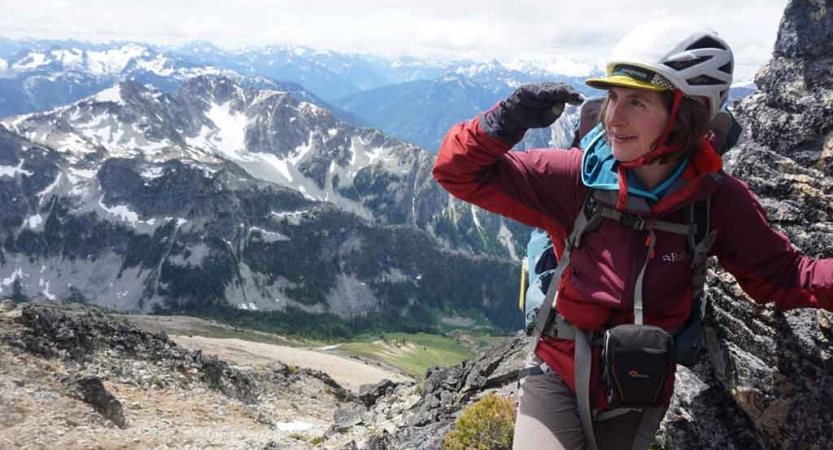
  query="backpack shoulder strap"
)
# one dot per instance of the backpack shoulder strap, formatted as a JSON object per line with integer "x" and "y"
{"x": 584, "y": 220}
{"x": 699, "y": 243}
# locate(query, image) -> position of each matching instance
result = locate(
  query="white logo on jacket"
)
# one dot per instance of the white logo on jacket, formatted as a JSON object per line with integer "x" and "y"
{"x": 673, "y": 257}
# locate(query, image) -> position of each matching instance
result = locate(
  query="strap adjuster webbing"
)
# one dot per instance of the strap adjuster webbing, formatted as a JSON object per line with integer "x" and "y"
{"x": 560, "y": 328}
{"x": 541, "y": 369}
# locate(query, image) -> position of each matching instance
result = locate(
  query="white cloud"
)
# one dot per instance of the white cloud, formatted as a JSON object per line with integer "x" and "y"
{"x": 483, "y": 29}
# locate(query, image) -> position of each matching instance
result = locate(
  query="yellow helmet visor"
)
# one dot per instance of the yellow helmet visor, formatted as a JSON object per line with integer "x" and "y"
{"x": 628, "y": 76}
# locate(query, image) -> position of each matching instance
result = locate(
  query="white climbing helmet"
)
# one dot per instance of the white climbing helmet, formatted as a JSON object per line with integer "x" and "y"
{"x": 672, "y": 54}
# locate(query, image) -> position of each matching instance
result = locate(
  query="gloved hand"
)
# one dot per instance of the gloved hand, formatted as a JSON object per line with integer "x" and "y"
{"x": 530, "y": 106}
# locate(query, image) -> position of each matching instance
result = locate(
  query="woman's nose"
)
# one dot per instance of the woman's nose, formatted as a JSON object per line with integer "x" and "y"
{"x": 616, "y": 116}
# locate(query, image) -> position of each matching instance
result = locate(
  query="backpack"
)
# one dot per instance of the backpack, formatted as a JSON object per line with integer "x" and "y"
{"x": 540, "y": 263}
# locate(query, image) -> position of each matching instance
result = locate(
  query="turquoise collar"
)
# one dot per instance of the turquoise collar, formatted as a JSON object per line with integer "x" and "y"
{"x": 600, "y": 168}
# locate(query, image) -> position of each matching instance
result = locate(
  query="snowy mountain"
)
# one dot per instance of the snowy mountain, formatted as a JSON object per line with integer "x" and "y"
{"x": 329, "y": 74}
{"x": 334, "y": 75}
{"x": 221, "y": 194}
{"x": 40, "y": 75}
{"x": 44, "y": 76}
{"x": 549, "y": 65}
{"x": 270, "y": 134}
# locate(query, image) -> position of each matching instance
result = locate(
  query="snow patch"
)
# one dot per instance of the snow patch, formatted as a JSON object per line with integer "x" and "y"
{"x": 303, "y": 191}
{"x": 373, "y": 154}
{"x": 47, "y": 190}
{"x": 18, "y": 273}
{"x": 30, "y": 62}
{"x": 269, "y": 236}
{"x": 158, "y": 65}
{"x": 13, "y": 122}
{"x": 265, "y": 95}
{"x": 292, "y": 217}
{"x": 68, "y": 143}
{"x": 284, "y": 214}
{"x": 34, "y": 221}
{"x": 310, "y": 109}
{"x": 300, "y": 152}
{"x": 247, "y": 306}
{"x": 10, "y": 171}
{"x": 475, "y": 219}
{"x": 81, "y": 174}
{"x": 194, "y": 256}
{"x": 45, "y": 285}
{"x": 123, "y": 213}
{"x": 153, "y": 173}
{"x": 229, "y": 136}
{"x": 280, "y": 164}
{"x": 112, "y": 94}
{"x": 113, "y": 61}
{"x": 360, "y": 156}
{"x": 505, "y": 237}
{"x": 69, "y": 58}
{"x": 551, "y": 64}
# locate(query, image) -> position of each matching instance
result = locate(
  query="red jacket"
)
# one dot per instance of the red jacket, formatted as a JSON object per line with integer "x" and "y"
{"x": 543, "y": 189}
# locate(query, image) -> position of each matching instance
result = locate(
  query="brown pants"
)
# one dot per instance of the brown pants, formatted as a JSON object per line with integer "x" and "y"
{"x": 548, "y": 418}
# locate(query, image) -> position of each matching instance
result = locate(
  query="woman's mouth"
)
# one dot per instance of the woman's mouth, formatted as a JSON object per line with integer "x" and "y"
{"x": 622, "y": 138}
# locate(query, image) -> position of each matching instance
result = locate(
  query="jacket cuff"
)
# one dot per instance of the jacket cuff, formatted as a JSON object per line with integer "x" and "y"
{"x": 496, "y": 123}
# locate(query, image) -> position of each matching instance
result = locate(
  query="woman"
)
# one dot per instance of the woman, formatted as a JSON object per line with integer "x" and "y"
{"x": 650, "y": 157}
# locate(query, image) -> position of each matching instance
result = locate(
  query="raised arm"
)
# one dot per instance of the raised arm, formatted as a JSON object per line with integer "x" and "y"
{"x": 537, "y": 187}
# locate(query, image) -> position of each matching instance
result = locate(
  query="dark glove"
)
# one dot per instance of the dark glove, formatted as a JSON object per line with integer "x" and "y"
{"x": 530, "y": 106}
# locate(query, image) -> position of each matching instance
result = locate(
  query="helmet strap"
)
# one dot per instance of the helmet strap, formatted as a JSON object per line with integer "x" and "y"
{"x": 622, "y": 201}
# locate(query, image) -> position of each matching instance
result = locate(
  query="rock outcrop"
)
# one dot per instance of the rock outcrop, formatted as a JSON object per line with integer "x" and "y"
{"x": 91, "y": 390}
{"x": 74, "y": 377}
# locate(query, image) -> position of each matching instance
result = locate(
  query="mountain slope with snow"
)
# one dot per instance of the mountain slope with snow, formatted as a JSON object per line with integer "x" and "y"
{"x": 224, "y": 195}
{"x": 40, "y": 77}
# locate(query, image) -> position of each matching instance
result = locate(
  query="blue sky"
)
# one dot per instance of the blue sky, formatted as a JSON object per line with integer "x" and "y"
{"x": 483, "y": 29}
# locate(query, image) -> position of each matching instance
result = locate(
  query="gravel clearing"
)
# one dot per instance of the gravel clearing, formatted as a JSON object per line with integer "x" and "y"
{"x": 347, "y": 372}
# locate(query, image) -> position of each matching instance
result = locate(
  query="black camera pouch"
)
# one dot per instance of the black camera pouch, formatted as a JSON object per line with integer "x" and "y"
{"x": 637, "y": 362}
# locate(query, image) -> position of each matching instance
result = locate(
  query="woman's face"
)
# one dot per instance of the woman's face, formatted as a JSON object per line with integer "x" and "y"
{"x": 634, "y": 120}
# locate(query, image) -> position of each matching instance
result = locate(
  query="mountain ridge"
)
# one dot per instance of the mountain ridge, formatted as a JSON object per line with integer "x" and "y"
{"x": 221, "y": 195}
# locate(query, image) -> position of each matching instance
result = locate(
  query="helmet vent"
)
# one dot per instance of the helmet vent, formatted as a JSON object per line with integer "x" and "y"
{"x": 726, "y": 68}
{"x": 704, "y": 80}
{"x": 685, "y": 64}
{"x": 706, "y": 42}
